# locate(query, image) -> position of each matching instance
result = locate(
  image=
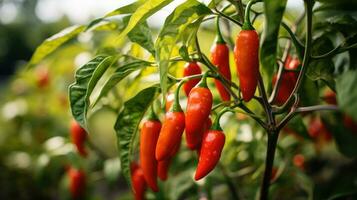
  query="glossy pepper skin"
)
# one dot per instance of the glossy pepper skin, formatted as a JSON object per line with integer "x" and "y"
{"x": 246, "y": 52}
{"x": 212, "y": 146}
{"x": 78, "y": 137}
{"x": 191, "y": 68}
{"x": 148, "y": 138}
{"x": 198, "y": 109}
{"x": 138, "y": 181}
{"x": 220, "y": 58}
{"x": 77, "y": 182}
{"x": 170, "y": 134}
{"x": 288, "y": 81}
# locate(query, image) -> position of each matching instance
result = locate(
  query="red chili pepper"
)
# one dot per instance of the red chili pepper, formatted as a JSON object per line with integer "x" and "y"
{"x": 212, "y": 146}
{"x": 190, "y": 69}
{"x": 77, "y": 182}
{"x": 78, "y": 137}
{"x": 220, "y": 58}
{"x": 164, "y": 165}
{"x": 148, "y": 139}
{"x": 199, "y": 106}
{"x": 171, "y": 131}
{"x": 246, "y": 52}
{"x": 138, "y": 182}
{"x": 207, "y": 126}
{"x": 287, "y": 83}
{"x": 330, "y": 97}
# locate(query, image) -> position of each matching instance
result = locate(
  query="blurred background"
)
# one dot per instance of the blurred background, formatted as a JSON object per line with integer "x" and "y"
{"x": 35, "y": 146}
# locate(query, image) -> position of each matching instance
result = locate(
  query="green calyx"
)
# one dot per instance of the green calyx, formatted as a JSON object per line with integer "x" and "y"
{"x": 176, "y": 107}
{"x": 216, "y": 125}
{"x": 203, "y": 82}
{"x": 152, "y": 116}
{"x": 247, "y": 24}
{"x": 219, "y": 38}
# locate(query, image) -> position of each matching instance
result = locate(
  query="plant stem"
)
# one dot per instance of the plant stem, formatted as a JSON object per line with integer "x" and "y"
{"x": 269, "y": 161}
{"x": 307, "y": 51}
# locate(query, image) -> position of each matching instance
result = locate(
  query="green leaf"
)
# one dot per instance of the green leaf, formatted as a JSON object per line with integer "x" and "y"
{"x": 298, "y": 126}
{"x": 142, "y": 13}
{"x": 309, "y": 93}
{"x": 141, "y": 34}
{"x": 52, "y": 43}
{"x": 274, "y": 11}
{"x": 127, "y": 124}
{"x": 119, "y": 74}
{"x": 86, "y": 78}
{"x": 174, "y": 31}
{"x": 346, "y": 92}
{"x": 345, "y": 139}
{"x": 130, "y": 8}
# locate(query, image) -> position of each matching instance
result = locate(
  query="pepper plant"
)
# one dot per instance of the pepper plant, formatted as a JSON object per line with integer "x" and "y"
{"x": 303, "y": 54}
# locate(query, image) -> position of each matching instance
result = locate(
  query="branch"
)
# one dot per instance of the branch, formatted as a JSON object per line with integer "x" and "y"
{"x": 339, "y": 49}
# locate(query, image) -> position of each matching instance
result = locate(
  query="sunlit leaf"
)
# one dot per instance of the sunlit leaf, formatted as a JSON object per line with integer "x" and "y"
{"x": 52, "y": 43}
{"x": 119, "y": 74}
{"x": 86, "y": 78}
{"x": 172, "y": 32}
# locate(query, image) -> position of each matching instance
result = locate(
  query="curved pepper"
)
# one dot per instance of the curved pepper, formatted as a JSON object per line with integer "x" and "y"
{"x": 220, "y": 58}
{"x": 211, "y": 149}
{"x": 148, "y": 139}
{"x": 191, "y": 68}
{"x": 171, "y": 131}
{"x": 198, "y": 109}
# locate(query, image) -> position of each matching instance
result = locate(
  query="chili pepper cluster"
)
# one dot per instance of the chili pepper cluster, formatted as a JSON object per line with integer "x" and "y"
{"x": 159, "y": 143}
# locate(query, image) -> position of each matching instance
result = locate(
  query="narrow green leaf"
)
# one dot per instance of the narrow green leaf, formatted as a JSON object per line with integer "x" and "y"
{"x": 346, "y": 92}
{"x": 127, "y": 124}
{"x": 86, "y": 78}
{"x": 345, "y": 139}
{"x": 274, "y": 11}
{"x": 52, "y": 43}
{"x": 147, "y": 9}
{"x": 174, "y": 31}
{"x": 119, "y": 75}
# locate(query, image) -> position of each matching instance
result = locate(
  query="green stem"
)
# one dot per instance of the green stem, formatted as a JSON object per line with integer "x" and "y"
{"x": 216, "y": 125}
{"x": 152, "y": 116}
{"x": 247, "y": 24}
{"x": 307, "y": 53}
{"x": 219, "y": 38}
{"x": 176, "y": 107}
{"x": 203, "y": 82}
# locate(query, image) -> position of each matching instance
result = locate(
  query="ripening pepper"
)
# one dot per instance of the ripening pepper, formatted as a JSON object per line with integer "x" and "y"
{"x": 287, "y": 83}
{"x": 198, "y": 109}
{"x": 171, "y": 131}
{"x": 246, "y": 52}
{"x": 138, "y": 182}
{"x": 191, "y": 68}
{"x": 77, "y": 182}
{"x": 317, "y": 129}
{"x": 148, "y": 138}
{"x": 78, "y": 137}
{"x": 211, "y": 149}
{"x": 220, "y": 58}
